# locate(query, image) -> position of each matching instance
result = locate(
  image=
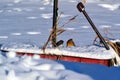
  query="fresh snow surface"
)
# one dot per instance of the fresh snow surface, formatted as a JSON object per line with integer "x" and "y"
{"x": 32, "y": 68}
{"x": 28, "y": 22}
{"x": 88, "y": 51}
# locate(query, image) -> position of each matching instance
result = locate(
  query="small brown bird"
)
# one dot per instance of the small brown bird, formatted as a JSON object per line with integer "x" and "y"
{"x": 70, "y": 43}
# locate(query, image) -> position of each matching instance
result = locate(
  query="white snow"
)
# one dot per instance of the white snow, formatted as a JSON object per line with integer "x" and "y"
{"x": 26, "y": 24}
{"x": 3, "y": 36}
{"x": 110, "y": 7}
{"x": 17, "y": 9}
{"x": 32, "y": 17}
{"x": 17, "y": 34}
{"x": 117, "y": 24}
{"x": 105, "y": 26}
{"x": 33, "y": 33}
{"x": 11, "y": 54}
{"x": 28, "y": 68}
{"x": 46, "y": 16}
{"x": 17, "y": 1}
{"x": 85, "y": 27}
{"x": 94, "y": 52}
{"x": 1, "y": 11}
{"x": 70, "y": 29}
{"x": 42, "y": 8}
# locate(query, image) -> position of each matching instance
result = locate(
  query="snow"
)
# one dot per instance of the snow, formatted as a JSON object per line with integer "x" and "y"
{"x": 110, "y": 7}
{"x": 94, "y": 52}
{"x": 17, "y": 34}
{"x": 27, "y": 23}
{"x": 33, "y": 33}
{"x": 3, "y": 36}
{"x": 46, "y": 16}
{"x": 28, "y": 68}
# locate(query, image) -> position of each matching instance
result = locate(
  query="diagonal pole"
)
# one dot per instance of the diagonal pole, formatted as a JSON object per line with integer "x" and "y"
{"x": 81, "y": 8}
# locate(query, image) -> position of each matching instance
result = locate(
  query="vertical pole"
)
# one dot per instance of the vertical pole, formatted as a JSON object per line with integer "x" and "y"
{"x": 55, "y": 23}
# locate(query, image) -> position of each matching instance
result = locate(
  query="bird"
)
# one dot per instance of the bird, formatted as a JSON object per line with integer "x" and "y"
{"x": 59, "y": 44}
{"x": 70, "y": 43}
{"x": 118, "y": 44}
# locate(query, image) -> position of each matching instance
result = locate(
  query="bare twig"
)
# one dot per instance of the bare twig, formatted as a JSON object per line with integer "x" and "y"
{"x": 71, "y": 19}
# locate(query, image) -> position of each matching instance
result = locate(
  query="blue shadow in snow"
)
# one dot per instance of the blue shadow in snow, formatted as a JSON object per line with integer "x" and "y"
{"x": 97, "y": 72}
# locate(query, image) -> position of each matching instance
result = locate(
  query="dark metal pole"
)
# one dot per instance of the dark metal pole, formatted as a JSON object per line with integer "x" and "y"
{"x": 55, "y": 22}
{"x": 81, "y": 8}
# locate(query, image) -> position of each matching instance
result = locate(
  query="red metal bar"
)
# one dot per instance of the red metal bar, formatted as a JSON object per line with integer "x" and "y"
{"x": 70, "y": 58}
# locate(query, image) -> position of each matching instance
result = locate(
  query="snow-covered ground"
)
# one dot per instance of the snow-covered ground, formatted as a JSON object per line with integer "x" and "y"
{"x": 30, "y": 21}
